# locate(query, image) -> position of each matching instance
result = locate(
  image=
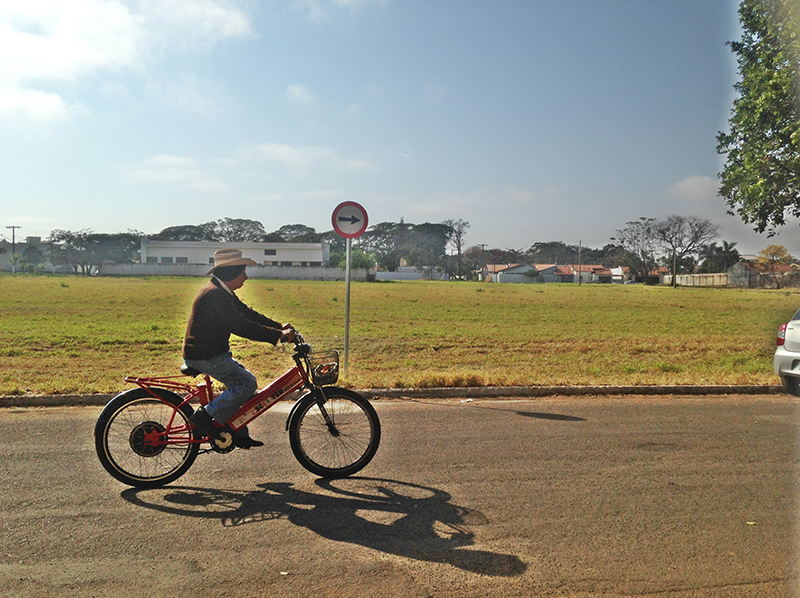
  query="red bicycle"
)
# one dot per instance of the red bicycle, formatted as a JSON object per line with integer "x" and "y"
{"x": 143, "y": 437}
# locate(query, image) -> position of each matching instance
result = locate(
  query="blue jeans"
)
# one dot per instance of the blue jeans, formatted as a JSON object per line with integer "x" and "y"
{"x": 240, "y": 385}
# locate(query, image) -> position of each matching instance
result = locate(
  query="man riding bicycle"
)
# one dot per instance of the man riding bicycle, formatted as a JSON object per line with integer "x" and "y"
{"x": 216, "y": 314}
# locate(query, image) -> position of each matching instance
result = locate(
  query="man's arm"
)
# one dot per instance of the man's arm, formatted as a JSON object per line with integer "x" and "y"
{"x": 253, "y": 315}
{"x": 248, "y": 323}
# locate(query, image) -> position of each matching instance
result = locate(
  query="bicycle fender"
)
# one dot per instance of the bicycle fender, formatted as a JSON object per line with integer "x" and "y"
{"x": 157, "y": 393}
{"x": 298, "y": 402}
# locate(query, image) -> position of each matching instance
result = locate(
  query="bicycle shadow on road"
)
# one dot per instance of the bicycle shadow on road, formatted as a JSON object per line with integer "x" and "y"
{"x": 561, "y": 417}
{"x": 551, "y": 416}
{"x": 531, "y": 414}
{"x": 398, "y": 518}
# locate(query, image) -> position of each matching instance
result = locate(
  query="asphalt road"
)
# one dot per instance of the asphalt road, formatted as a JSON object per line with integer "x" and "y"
{"x": 579, "y": 496}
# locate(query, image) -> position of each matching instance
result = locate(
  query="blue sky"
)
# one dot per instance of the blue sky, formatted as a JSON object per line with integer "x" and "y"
{"x": 545, "y": 120}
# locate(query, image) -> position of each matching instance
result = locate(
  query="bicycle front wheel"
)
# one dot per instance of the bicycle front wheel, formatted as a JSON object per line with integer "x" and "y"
{"x": 336, "y": 436}
{"x": 143, "y": 440}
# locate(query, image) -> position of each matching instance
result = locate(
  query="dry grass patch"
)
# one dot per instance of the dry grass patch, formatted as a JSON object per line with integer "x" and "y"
{"x": 77, "y": 335}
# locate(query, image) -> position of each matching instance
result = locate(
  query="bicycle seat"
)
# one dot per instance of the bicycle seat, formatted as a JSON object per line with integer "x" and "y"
{"x": 187, "y": 371}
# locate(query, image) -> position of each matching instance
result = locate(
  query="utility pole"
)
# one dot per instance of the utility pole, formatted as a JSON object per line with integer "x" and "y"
{"x": 13, "y": 247}
{"x": 483, "y": 259}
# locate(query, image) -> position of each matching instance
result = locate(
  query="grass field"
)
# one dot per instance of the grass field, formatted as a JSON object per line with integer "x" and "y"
{"x": 83, "y": 335}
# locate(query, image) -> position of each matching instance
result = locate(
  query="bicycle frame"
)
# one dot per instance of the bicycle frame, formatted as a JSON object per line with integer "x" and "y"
{"x": 293, "y": 379}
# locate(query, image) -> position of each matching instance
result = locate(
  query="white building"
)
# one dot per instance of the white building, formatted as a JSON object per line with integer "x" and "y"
{"x": 264, "y": 254}
{"x": 32, "y": 253}
{"x": 516, "y": 273}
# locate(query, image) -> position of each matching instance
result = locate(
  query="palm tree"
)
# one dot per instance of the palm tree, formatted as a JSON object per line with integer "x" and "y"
{"x": 718, "y": 259}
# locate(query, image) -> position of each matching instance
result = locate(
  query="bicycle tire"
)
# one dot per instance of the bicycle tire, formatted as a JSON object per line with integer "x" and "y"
{"x": 119, "y": 434}
{"x": 340, "y": 452}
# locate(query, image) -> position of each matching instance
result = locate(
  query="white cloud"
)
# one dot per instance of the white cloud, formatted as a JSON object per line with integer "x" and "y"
{"x": 319, "y": 9}
{"x": 47, "y": 39}
{"x": 303, "y": 197}
{"x": 695, "y": 188}
{"x": 187, "y": 93}
{"x": 31, "y": 106}
{"x": 169, "y": 161}
{"x": 177, "y": 170}
{"x": 300, "y": 95}
{"x": 44, "y": 42}
{"x": 195, "y": 22}
{"x": 500, "y": 200}
{"x": 356, "y": 4}
{"x": 310, "y": 156}
{"x": 295, "y": 157}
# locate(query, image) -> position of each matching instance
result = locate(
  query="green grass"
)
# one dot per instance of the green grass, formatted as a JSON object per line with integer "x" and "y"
{"x": 83, "y": 335}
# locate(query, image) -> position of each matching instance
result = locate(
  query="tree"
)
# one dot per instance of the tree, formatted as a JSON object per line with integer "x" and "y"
{"x": 239, "y": 230}
{"x": 84, "y": 250}
{"x": 358, "y": 259}
{"x": 337, "y": 245}
{"x": 553, "y": 252}
{"x": 474, "y": 260}
{"x": 761, "y": 175}
{"x": 638, "y": 239}
{"x": 388, "y": 242}
{"x": 117, "y": 248}
{"x": 188, "y": 232}
{"x": 69, "y": 249}
{"x": 612, "y": 254}
{"x": 458, "y": 230}
{"x": 718, "y": 259}
{"x": 225, "y": 230}
{"x": 15, "y": 260}
{"x": 682, "y": 237}
{"x": 493, "y": 255}
{"x": 427, "y": 245}
{"x": 772, "y": 257}
{"x": 297, "y": 233}
{"x": 33, "y": 259}
{"x": 557, "y": 252}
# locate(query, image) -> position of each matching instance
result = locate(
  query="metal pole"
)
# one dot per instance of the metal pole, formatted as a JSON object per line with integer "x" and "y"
{"x": 13, "y": 247}
{"x": 347, "y": 307}
{"x": 483, "y": 259}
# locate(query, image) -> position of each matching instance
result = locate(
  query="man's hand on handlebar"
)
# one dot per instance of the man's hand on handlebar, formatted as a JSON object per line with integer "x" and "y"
{"x": 287, "y": 335}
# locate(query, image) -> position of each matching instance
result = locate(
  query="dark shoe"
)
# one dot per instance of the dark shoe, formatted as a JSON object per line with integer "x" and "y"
{"x": 203, "y": 423}
{"x": 245, "y": 442}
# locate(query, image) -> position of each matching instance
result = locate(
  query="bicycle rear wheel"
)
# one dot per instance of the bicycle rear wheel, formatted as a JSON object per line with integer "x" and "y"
{"x": 336, "y": 437}
{"x": 135, "y": 441}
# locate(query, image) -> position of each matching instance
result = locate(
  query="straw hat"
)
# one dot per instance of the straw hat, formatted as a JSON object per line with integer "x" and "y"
{"x": 230, "y": 257}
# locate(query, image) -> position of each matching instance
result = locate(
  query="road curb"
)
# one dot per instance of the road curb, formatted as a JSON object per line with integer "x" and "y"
{"x": 472, "y": 392}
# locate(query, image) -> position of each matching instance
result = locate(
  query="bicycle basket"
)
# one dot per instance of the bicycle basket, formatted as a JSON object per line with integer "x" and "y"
{"x": 324, "y": 367}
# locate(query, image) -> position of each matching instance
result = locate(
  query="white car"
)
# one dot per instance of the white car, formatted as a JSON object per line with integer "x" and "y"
{"x": 787, "y": 355}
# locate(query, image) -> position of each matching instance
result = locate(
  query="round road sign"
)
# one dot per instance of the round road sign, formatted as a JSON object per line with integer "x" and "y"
{"x": 349, "y": 219}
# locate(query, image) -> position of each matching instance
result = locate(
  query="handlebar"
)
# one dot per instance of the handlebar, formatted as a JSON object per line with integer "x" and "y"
{"x": 301, "y": 347}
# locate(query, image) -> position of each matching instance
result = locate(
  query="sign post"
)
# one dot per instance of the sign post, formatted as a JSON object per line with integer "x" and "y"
{"x": 350, "y": 221}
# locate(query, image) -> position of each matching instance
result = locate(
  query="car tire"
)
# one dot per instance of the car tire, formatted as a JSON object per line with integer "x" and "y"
{"x": 791, "y": 385}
